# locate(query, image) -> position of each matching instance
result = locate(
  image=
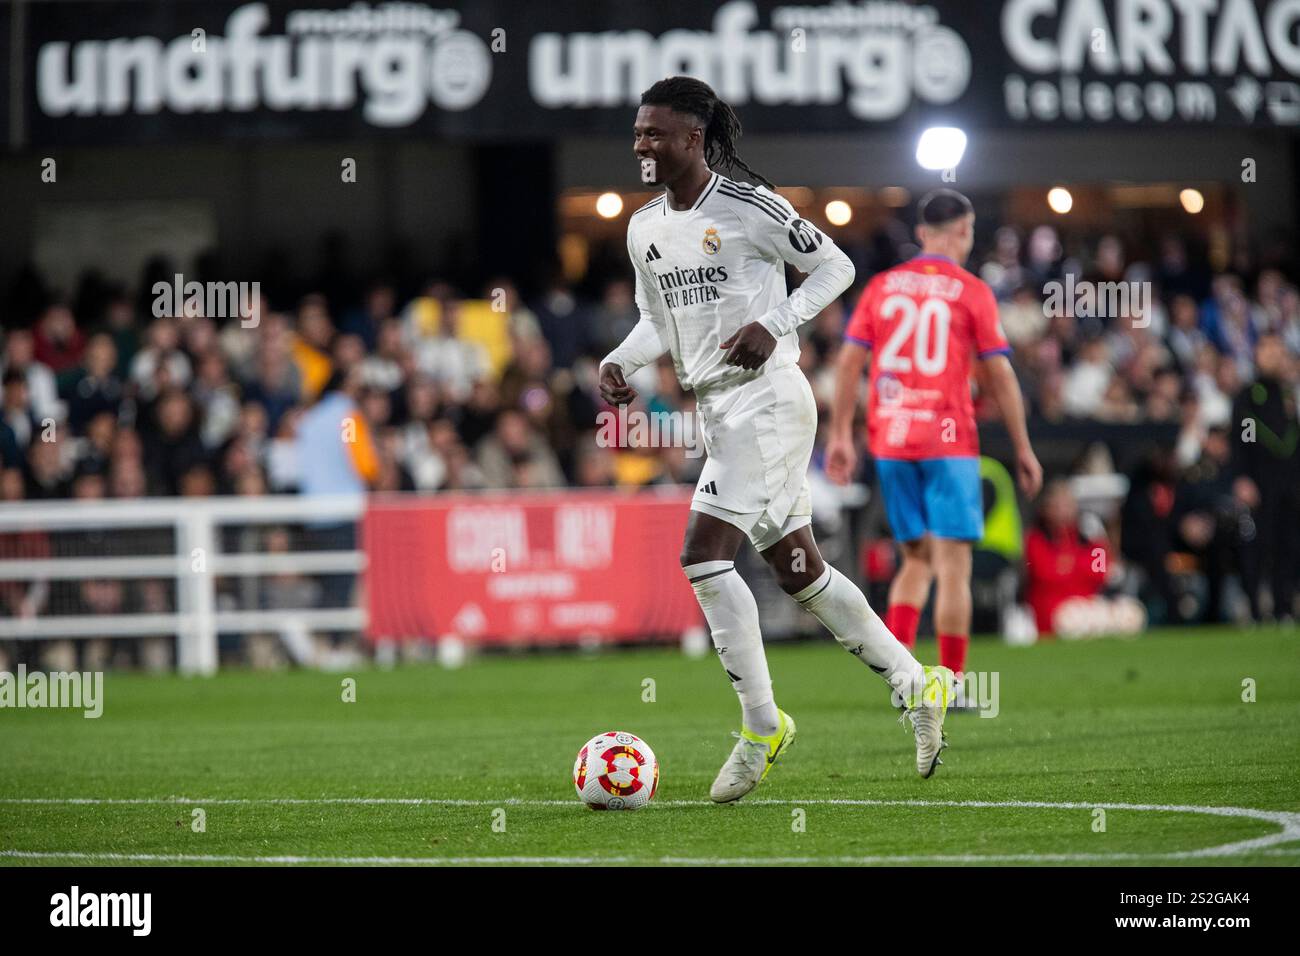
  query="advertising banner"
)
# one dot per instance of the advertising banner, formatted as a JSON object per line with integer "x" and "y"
{"x": 532, "y": 569}
{"x": 492, "y": 69}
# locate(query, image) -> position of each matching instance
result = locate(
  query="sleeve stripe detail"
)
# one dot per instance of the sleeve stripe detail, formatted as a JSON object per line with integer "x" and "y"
{"x": 771, "y": 201}
{"x": 724, "y": 191}
{"x": 1000, "y": 350}
{"x": 863, "y": 342}
{"x": 650, "y": 205}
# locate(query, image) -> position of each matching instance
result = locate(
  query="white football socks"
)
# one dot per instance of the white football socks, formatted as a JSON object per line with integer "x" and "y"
{"x": 842, "y": 608}
{"x": 732, "y": 613}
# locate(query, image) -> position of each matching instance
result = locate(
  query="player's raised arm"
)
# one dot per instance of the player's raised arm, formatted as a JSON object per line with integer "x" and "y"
{"x": 644, "y": 344}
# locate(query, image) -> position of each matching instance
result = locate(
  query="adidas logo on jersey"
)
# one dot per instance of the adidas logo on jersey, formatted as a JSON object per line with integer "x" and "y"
{"x": 652, "y": 254}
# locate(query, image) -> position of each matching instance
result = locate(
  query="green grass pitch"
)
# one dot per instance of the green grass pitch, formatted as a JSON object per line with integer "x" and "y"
{"x": 285, "y": 771}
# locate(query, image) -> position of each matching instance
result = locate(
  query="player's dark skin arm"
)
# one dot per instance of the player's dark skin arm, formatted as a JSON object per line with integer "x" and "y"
{"x": 749, "y": 347}
{"x": 614, "y": 387}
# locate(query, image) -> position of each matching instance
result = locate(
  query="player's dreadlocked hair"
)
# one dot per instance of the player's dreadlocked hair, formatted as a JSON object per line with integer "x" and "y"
{"x": 685, "y": 94}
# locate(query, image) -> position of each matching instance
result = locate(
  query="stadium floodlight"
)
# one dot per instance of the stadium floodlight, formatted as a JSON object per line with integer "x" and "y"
{"x": 609, "y": 205}
{"x": 941, "y": 147}
{"x": 1059, "y": 200}
{"x": 838, "y": 212}
{"x": 1192, "y": 200}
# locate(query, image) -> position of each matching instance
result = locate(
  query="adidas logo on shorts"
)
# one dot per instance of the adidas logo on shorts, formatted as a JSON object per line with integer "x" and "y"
{"x": 710, "y": 489}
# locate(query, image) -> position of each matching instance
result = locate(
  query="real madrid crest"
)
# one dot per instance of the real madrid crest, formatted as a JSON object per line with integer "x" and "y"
{"x": 712, "y": 241}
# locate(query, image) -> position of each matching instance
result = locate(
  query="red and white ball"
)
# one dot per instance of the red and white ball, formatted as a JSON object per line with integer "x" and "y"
{"x": 616, "y": 771}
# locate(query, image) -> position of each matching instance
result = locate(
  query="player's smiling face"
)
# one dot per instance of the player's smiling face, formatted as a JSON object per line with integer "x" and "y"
{"x": 670, "y": 140}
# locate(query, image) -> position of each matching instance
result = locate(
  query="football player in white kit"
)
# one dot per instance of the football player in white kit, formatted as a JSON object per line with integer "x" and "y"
{"x": 710, "y": 256}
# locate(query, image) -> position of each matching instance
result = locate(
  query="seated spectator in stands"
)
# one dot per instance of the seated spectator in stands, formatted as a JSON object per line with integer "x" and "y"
{"x": 89, "y": 482}
{"x": 348, "y": 352}
{"x": 126, "y": 479}
{"x": 171, "y": 442}
{"x": 23, "y": 599}
{"x": 1163, "y": 399}
{"x": 219, "y": 398}
{"x": 1086, "y": 383}
{"x": 16, "y": 409}
{"x": 1213, "y": 520}
{"x": 48, "y": 471}
{"x": 1229, "y": 324}
{"x": 1288, "y": 326}
{"x": 1146, "y": 530}
{"x": 1023, "y": 317}
{"x": 1117, "y": 403}
{"x": 94, "y": 387}
{"x": 57, "y": 342}
{"x": 364, "y": 321}
{"x": 276, "y": 386}
{"x": 609, "y": 322}
{"x": 516, "y": 456}
{"x": 1185, "y": 338}
{"x": 42, "y": 389}
{"x": 1002, "y": 270}
{"x": 521, "y": 322}
{"x": 161, "y": 351}
{"x": 312, "y": 344}
{"x": 456, "y": 364}
{"x": 461, "y": 470}
{"x": 392, "y": 474}
{"x": 120, "y": 325}
{"x": 97, "y": 444}
{"x": 1066, "y": 569}
{"x": 594, "y": 465}
{"x": 382, "y": 368}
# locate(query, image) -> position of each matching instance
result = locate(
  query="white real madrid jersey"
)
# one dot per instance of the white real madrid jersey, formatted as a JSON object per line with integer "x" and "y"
{"x": 703, "y": 273}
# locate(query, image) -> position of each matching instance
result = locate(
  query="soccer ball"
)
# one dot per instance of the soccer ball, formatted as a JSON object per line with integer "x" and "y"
{"x": 616, "y": 771}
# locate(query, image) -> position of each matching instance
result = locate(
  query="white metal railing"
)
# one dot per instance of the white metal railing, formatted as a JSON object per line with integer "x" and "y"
{"x": 195, "y": 522}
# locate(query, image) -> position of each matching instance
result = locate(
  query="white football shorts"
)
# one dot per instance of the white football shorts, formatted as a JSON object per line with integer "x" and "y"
{"x": 759, "y": 439}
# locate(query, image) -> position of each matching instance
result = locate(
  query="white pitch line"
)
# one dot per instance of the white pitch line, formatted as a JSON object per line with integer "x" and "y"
{"x": 606, "y": 860}
{"x": 1289, "y": 821}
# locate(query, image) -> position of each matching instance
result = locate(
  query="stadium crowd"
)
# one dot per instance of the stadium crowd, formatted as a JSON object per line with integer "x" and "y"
{"x": 104, "y": 399}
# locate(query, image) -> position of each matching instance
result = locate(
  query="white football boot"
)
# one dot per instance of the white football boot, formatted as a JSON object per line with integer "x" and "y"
{"x": 750, "y": 760}
{"x": 926, "y": 710}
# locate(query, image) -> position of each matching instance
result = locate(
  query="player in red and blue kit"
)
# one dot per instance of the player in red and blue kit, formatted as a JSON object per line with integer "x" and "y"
{"x": 924, "y": 323}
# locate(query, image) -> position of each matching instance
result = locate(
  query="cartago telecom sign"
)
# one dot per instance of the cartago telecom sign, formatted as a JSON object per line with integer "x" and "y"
{"x": 1156, "y": 61}
{"x": 140, "y": 71}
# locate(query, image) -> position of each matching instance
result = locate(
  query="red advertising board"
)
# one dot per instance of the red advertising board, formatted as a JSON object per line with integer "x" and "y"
{"x": 534, "y": 568}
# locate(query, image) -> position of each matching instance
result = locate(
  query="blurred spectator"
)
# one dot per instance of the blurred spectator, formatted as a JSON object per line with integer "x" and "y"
{"x": 1267, "y": 462}
{"x": 57, "y": 342}
{"x": 1065, "y": 570}
{"x": 516, "y": 456}
{"x": 94, "y": 386}
{"x": 1213, "y": 519}
{"x": 1086, "y": 385}
{"x": 171, "y": 442}
{"x": 42, "y": 390}
{"x": 364, "y": 322}
{"x": 161, "y": 355}
{"x": 335, "y": 455}
{"x": 455, "y": 364}
{"x": 16, "y": 409}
